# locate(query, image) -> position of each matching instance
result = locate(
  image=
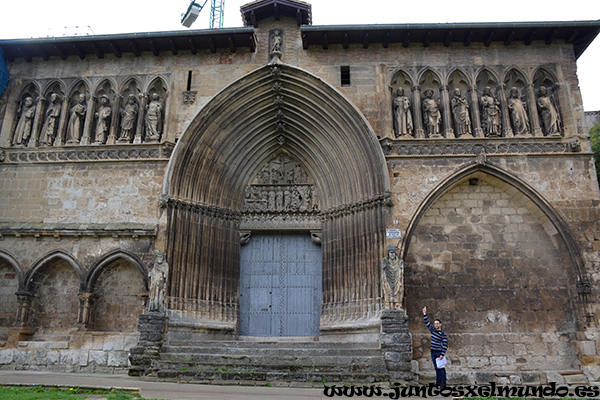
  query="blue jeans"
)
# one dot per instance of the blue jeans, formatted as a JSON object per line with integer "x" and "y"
{"x": 440, "y": 373}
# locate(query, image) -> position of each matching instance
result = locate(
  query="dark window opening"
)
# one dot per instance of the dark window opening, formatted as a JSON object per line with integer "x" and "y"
{"x": 189, "y": 83}
{"x": 345, "y": 75}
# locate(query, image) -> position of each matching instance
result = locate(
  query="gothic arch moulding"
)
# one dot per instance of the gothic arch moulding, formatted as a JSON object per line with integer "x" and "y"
{"x": 12, "y": 261}
{"x": 109, "y": 258}
{"x": 46, "y": 260}
{"x": 558, "y": 228}
{"x": 275, "y": 109}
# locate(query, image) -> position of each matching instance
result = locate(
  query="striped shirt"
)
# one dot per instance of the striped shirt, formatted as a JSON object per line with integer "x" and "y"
{"x": 439, "y": 339}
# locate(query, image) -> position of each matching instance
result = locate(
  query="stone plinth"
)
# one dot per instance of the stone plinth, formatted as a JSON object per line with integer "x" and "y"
{"x": 396, "y": 345}
{"x": 152, "y": 328}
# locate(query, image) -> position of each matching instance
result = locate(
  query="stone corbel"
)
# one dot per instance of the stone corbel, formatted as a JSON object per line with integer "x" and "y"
{"x": 86, "y": 300}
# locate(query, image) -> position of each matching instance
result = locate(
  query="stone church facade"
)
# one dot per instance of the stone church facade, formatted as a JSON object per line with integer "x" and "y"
{"x": 239, "y": 188}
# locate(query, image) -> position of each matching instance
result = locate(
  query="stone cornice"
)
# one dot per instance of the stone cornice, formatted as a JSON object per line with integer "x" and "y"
{"x": 78, "y": 154}
{"x": 58, "y": 230}
{"x": 473, "y": 147}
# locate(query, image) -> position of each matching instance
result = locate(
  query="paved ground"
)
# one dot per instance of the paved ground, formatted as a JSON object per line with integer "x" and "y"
{"x": 161, "y": 390}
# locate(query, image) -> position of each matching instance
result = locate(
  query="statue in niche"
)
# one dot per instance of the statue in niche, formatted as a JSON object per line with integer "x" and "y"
{"x": 128, "y": 119}
{"x": 392, "y": 278}
{"x": 402, "y": 115}
{"x": 431, "y": 114}
{"x": 153, "y": 119}
{"x": 76, "y": 121}
{"x": 518, "y": 113}
{"x": 460, "y": 112}
{"x": 25, "y": 123}
{"x": 490, "y": 114}
{"x": 103, "y": 124}
{"x": 158, "y": 279}
{"x": 51, "y": 122}
{"x": 276, "y": 41}
{"x": 548, "y": 113}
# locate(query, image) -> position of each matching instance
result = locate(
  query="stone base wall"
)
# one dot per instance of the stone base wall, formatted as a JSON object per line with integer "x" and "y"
{"x": 99, "y": 352}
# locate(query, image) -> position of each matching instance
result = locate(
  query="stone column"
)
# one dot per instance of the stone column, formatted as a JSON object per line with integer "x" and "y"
{"x": 140, "y": 118}
{"x": 475, "y": 114}
{"x": 396, "y": 345}
{"x": 114, "y": 120}
{"x": 10, "y": 123}
{"x": 418, "y": 113}
{"x": 86, "y": 301}
{"x": 37, "y": 123}
{"x": 534, "y": 119}
{"x": 506, "y": 128}
{"x": 446, "y": 113}
{"x": 59, "y": 140}
{"x": 86, "y": 136}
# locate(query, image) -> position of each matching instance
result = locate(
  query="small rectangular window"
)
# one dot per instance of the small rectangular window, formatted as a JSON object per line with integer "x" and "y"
{"x": 345, "y": 75}
{"x": 189, "y": 82}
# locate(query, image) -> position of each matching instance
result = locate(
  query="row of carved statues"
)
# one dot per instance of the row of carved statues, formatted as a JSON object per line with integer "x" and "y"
{"x": 483, "y": 116}
{"x": 55, "y": 124}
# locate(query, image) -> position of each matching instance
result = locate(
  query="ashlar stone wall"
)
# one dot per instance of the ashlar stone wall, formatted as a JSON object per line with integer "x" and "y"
{"x": 485, "y": 260}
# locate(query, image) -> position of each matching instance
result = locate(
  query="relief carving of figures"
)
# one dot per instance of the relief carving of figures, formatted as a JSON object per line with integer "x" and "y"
{"x": 153, "y": 119}
{"x": 158, "y": 279}
{"x": 392, "y": 278}
{"x": 103, "y": 120}
{"x": 490, "y": 114}
{"x": 431, "y": 114}
{"x": 25, "y": 123}
{"x": 51, "y": 121}
{"x": 548, "y": 113}
{"x": 460, "y": 112}
{"x": 402, "y": 115}
{"x": 76, "y": 121}
{"x": 128, "y": 119}
{"x": 518, "y": 113}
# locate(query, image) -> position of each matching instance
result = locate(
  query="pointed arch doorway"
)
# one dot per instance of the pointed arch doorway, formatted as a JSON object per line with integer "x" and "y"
{"x": 273, "y": 111}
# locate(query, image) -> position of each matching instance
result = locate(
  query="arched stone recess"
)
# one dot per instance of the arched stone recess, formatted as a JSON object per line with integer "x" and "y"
{"x": 116, "y": 293}
{"x": 521, "y": 103}
{"x": 78, "y": 99}
{"x": 54, "y": 283}
{"x": 155, "y": 109}
{"x": 435, "y": 107}
{"x": 548, "y": 101}
{"x": 463, "y": 104}
{"x": 498, "y": 265}
{"x": 277, "y": 109}
{"x": 11, "y": 280}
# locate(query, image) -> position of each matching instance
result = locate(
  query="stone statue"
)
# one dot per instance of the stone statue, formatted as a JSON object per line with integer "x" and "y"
{"x": 460, "y": 112}
{"x": 128, "y": 119}
{"x": 158, "y": 279}
{"x": 153, "y": 119}
{"x": 431, "y": 114}
{"x": 392, "y": 278}
{"x": 51, "y": 121}
{"x": 402, "y": 115}
{"x": 518, "y": 113}
{"x": 548, "y": 113}
{"x": 103, "y": 124}
{"x": 276, "y": 41}
{"x": 25, "y": 123}
{"x": 76, "y": 121}
{"x": 490, "y": 114}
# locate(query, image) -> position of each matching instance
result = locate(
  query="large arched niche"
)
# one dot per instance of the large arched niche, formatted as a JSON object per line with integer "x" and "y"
{"x": 497, "y": 264}
{"x": 277, "y": 109}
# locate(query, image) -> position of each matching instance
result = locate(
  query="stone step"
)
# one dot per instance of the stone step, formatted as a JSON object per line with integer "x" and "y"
{"x": 272, "y": 360}
{"x": 266, "y": 343}
{"x": 266, "y": 351}
{"x": 322, "y": 377}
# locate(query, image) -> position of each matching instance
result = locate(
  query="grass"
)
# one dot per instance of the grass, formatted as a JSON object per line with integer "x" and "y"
{"x": 45, "y": 393}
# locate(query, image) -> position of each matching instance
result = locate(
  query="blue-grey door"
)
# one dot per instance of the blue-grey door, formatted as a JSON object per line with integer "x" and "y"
{"x": 280, "y": 286}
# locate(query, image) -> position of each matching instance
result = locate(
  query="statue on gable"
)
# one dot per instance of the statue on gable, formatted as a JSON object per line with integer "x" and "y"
{"x": 460, "y": 112}
{"x": 490, "y": 114}
{"x": 402, "y": 115}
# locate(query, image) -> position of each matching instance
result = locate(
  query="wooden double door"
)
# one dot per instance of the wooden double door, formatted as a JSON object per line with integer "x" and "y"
{"x": 280, "y": 286}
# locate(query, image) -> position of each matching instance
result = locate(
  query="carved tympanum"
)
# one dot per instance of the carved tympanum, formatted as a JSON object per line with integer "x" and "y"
{"x": 282, "y": 185}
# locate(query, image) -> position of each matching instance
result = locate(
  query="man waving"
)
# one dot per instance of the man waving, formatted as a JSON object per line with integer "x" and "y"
{"x": 439, "y": 345}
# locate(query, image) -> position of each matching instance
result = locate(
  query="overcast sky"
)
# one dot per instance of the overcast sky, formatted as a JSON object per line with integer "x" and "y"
{"x": 41, "y": 18}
